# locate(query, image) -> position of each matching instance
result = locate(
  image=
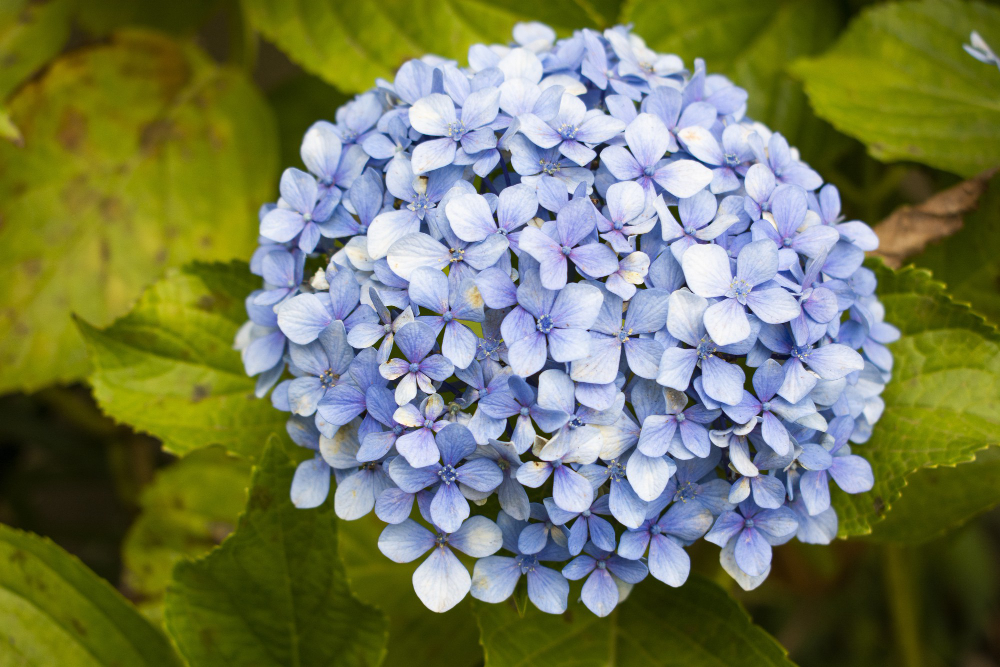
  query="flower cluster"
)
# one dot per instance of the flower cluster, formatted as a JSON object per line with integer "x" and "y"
{"x": 576, "y": 308}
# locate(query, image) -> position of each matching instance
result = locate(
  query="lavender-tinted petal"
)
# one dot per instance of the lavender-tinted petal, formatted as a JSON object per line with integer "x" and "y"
{"x": 600, "y": 593}
{"x": 494, "y": 578}
{"x": 405, "y": 542}
{"x": 441, "y": 581}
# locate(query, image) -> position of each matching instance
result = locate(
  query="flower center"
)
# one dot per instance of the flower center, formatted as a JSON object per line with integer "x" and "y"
{"x": 623, "y": 334}
{"x": 456, "y": 129}
{"x": 548, "y": 167}
{"x": 686, "y": 491}
{"x": 706, "y": 348}
{"x": 748, "y": 523}
{"x": 328, "y": 378}
{"x": 566, "y": 250}
{"x": 802, "y": 353}
{"x": 739, "y": 289}
{"x": 414, "y": 367}
{"x": 544, "y": 324}
{"x": 457, "y": 255}
{"x": 448, "y": 474}
{"x": 617, "y": 471}
{"x": 655, "y": 529}
{"x": 575, "y": 422}
{"x": 766, "y": 406}
{"x": 525, "y": 412}
{"x": 420, "y": 205}
{"x": 568, "y": 131}
{"x": 527, "y": 563}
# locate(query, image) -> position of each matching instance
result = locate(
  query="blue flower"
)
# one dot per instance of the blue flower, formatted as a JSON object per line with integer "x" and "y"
{"x": 435, "y": 115}
{"x": 546, "y": 323}
{"x": 980, "y": 50}
{"x": 300, "y": 212}
{"x": 612, "y": 334}
{"x": 648, "y": 140}
{"x": 572, "y": 130}
{"x": 556, "y": 243}
{"x": 851, "y": 472}
{"x": 665, "y": 537}
{"x": 441, "y": 581}
{"x": 730, "y": 158}
{"x": 753, "y": 532}
{"x": 588, "y": 525}
{"x": 335, "y": 167}
{"x": 602, "y": 569}
{"x": 709, "y": 274}
{"x": 549, "y": 270}
{"x": 494, "y": 578}
{"x": 449, "y": 508}
{"x": 685, "y": 321}
{"x": 419, "y": 196}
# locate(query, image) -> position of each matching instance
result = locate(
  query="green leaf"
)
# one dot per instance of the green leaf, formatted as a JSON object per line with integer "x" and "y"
{"x": 899, "y": 80}
{"x": 31, "y": 34}
{"x": 937, "y": 500}
{"x": 275, "y": 592}
{"x": 99, "y": 17}
{"x": 694, "y": 625}
{"x": 350, "y": 44}
{"x": 169, "y": 368}
{"x": 943, "y": 403}
{"x": 139, "y": 154}
{"x": 54, "y": 611}
{"x": 969, "y": 262}
{"x": 752, "y": 43}
{"x": 417, "y": 634}
{"x": 190, "y": 507}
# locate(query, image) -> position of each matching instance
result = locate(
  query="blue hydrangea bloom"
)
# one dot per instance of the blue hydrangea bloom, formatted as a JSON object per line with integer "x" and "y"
{"x": 544, "y": 278}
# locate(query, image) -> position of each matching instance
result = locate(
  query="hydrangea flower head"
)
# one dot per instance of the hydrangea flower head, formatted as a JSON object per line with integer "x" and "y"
{"x": 544, "y": 281}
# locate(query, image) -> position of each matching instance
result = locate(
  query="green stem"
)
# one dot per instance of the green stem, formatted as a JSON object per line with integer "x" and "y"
{"x": 903, "y": 605}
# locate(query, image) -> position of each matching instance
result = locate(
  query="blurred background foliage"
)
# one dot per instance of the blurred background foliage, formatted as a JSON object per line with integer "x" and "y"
{"x": 138, "y": 136}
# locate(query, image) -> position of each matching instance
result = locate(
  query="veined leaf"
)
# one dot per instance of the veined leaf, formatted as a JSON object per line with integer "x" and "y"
{"x": 54, "y": 611}
{"x": 138, "y": 154}
{"x": 899, "y": 80}
{"x": 275, "y": 592}
{"x": 169, "y": 368}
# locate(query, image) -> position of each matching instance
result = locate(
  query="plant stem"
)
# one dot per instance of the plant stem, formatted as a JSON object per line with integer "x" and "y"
{"x": 903, "y": 605}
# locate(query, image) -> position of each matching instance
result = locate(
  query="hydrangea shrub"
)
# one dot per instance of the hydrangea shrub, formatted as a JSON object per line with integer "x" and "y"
{"x": 566, "y": 311}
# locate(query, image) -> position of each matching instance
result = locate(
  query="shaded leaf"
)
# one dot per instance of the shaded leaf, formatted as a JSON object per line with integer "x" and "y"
{"x": 937, "y": 500}
{"x": 31, "y": 34}
{"x": 169, "y": 368}
{"x": 899, "y": 80}
{"x": 297, "y": 104}
{"x": 54, "y": 611}
{"x": 943, "y": 403}
{"x": 100, "y": 17}
{"x": 696, "y": 624}
{"x": 139, "y": 154}
{"x": 275, "y": 592}
{"x": 190, "y": 507}
{"x": 752, "y": 43}
{"x": 350, "y": 44}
